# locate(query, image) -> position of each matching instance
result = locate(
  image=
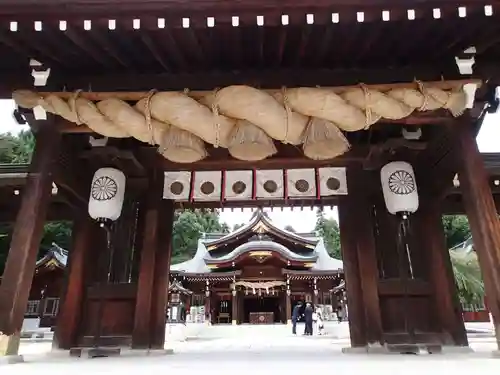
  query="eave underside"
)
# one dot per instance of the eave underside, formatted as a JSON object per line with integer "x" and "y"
{"x": 203, "y": 57}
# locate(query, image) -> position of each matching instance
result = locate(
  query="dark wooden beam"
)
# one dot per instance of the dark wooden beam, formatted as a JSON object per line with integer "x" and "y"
{"x": 278, "y": 204}
{"x": 72, "y": 8}
{"x": 56, "y": 212}
{"x": 209, "y": 80}
{"x": 288, "y": 156}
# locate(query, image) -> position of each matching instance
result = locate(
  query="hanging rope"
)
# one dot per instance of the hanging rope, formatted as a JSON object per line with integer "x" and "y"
{"x": 147, "y": 114}
{"x": 72, "y": 105}
{"x": 288, "y": 111}
{"x": 215, "y": 111}
{"x": 423, "y": 91}
{"x": 368, "y": 106}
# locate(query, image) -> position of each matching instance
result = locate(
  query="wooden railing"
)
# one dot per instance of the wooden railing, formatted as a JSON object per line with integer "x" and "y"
{"x": 47, "y": 307}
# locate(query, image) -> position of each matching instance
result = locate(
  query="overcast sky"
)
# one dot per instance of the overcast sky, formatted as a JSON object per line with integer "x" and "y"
{"x": 303, "y": 221}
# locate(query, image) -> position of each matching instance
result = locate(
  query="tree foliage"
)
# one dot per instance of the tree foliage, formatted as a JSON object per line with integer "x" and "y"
{"x": 189, "y": 226}
{"x": 289, "y": 228}
{"x": 16, "y": 149}
{"x": 468, "y": 277}
{"x": 328, "y": 229}
{"x": 456, "y": 229}
{"x": 237, "y": 226}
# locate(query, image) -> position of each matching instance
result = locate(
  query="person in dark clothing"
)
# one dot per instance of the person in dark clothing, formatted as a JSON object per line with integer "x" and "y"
{"x": 182, "y": 313}
{"x": 295, "y": 316}
{"x": 308, "y": 315}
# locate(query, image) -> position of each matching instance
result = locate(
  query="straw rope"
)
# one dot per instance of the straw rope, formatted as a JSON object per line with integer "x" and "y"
{"x": 245, "y": 119}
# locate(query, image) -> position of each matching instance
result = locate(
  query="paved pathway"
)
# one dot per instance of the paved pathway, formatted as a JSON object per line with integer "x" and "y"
{"x": 266, "y": 350}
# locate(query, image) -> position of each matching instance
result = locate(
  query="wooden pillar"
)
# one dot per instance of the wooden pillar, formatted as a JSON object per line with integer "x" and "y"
{"x": 347, "y": 226}
{"x": 208, "y": 309}
{"x": 234, "y": 306}
{"x": 360, "y": 260}
{"x": 480, "y": 208}
{"x": 26, "y": 237}
{"x": 162, "y": 274}
{"x": 152, "y": 286}
{"x": 288, "y": 308}
{"x": 70, "y": 311}
{"x": 430, "y": 233}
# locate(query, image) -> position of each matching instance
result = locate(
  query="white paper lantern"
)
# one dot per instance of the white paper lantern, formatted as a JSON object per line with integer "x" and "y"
{"x": 399, "y": 187}
{"x": 106, "y": 194}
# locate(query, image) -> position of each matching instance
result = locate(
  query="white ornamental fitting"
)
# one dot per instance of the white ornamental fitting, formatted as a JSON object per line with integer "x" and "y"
{"x": 399, "y": 187}
{"x": 106, "y": 194}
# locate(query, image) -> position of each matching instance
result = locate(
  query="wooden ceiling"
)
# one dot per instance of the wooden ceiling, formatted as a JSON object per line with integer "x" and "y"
{"x": 201, "y": 44}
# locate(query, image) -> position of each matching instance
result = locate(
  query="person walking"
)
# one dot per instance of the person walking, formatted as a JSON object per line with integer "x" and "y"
{"x": 296, "y": 316}
{"x": 308, "y": 315}
{"x": 340, "y": 314}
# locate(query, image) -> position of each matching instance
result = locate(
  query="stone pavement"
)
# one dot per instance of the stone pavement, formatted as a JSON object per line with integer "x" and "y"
{"x": 263, "y": 349}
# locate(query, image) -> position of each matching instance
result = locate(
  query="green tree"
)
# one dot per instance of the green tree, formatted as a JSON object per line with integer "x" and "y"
{"x": 16, "y": 149}
{"x": 467, "y": 277}
{"x": 237, "y": 226}
{"x": 328, "y": 229}
{"x": 456, "y": 229}
{"x": 189, "y": 226}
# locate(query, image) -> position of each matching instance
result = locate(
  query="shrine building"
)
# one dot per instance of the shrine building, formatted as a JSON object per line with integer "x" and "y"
{"x": 257, "y": 273}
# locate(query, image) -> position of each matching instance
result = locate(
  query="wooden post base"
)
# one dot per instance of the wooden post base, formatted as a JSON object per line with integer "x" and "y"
{"x": 98, "y": 352}
{"x": 9, "y": 345}
{"x": 101, "y": 352}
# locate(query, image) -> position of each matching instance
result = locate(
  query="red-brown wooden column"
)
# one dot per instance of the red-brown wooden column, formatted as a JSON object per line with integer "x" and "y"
{"x": 288, "y": 309}
{"x": 360, "y": 260}
{"x": 348, "y": 244}
{"x": 162, "y": 274}
{"x": 152, "y": 286}
{"x": 69, "y": 316}
{"x": 28, "y": 230}
{"x": 480, "y": 208}
{"x": 432, "y": 241}
{"x": 359, "y": 190}
{"x": 234, "y": 309}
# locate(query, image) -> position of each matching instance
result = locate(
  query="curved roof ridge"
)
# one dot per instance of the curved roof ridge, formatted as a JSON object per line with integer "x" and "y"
{"x": 325, "y": 262}
{"x": 253, "y": 220}
{"x": 57, "y": 253}
{"x": 260, "y": 245}
{"x": 260, "y": 216}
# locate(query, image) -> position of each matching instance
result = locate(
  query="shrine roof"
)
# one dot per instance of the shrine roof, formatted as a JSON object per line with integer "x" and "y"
{"x": 200, "y": 263}
{"x": 176, "y": 286}
{"x": 260, "y": 223}
{"x": 261, "y": 245}
{"x": 56, "y": 256}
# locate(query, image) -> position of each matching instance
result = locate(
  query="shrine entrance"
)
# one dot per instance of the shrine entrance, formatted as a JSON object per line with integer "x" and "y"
{"x": 251, "y": 104}
{"x": 262, "y": 309}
